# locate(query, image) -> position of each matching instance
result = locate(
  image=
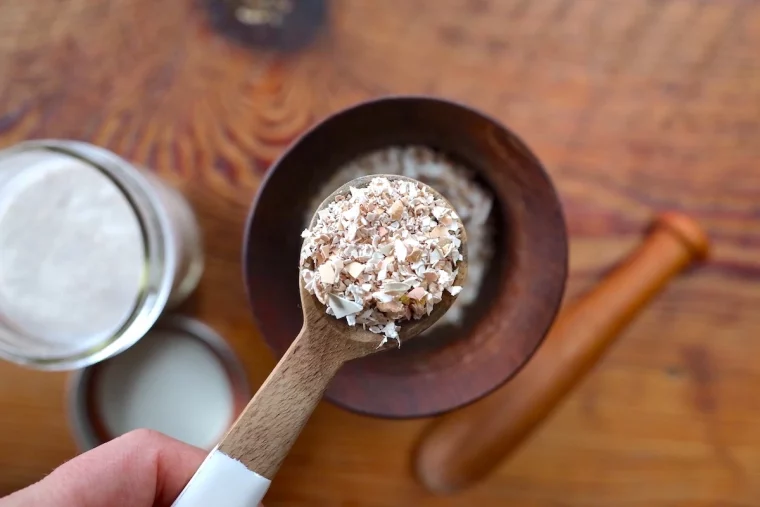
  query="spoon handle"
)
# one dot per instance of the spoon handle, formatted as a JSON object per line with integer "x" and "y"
{"x": 254, "y": 448}
{"x": 266, "y": 430}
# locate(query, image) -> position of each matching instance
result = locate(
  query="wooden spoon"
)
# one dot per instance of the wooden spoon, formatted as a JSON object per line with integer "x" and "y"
{"x": 238, "y": 471}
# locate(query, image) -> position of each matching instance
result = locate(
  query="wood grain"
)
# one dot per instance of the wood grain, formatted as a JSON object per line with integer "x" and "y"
{"x": 464, "y": 447}
{"x": 633, "y": 105}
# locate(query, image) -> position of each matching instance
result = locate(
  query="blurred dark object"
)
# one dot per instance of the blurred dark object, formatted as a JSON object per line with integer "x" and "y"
{"x": 281, "y": 25}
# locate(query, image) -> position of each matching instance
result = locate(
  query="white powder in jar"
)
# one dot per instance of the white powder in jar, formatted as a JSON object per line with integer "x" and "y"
{"x": 71, "y": 255}
{"x": 170, "y": 382}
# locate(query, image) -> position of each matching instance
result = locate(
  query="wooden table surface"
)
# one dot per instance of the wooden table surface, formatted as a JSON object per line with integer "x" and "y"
{"x": 634, "y": 105}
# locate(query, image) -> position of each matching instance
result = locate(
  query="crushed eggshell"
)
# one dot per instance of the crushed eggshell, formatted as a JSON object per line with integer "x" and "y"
{"x": 396, "y": 210}
{"x": 355, "y": 269}
{"x": 417, "y": 293}
{"x": 459, "y": 184}
{"x": 454, "y": 289}
{"x": 342, "y": 307}
{"x": 401, "y": 251}
{"x": 327, "y": 274}
{"x": 378, "y": 256}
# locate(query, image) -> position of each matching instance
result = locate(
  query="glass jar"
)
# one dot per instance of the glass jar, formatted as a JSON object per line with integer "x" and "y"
{"x": 92, "y": 251}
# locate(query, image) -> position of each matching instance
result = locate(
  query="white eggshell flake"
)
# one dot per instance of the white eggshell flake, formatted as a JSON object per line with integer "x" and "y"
{"x": 355, "y": 269}
{"x": 342, "y": 306}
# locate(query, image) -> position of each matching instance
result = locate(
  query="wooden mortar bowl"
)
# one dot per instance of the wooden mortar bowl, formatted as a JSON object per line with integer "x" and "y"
{"x": 450, "y": 366}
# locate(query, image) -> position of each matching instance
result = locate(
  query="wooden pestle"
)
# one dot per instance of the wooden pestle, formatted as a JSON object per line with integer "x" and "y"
{"x": 466, "y": 445}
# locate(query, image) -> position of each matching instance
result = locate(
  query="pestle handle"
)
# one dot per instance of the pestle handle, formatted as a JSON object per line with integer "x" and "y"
{"x": 466, "y": 445}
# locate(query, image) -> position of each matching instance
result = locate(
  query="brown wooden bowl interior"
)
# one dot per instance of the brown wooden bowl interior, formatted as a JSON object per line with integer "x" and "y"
{"x": 450, "y": 366}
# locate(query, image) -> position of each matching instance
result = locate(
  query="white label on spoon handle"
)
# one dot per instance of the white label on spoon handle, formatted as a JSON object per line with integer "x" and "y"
{"x": 223, "y": 481}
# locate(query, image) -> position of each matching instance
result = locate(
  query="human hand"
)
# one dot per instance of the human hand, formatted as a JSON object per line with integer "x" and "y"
{"x": 140, "y": 469}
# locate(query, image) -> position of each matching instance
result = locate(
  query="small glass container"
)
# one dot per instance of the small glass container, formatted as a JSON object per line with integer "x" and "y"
{"x": 93, "y": 251}
{"x": 181, "y": 379}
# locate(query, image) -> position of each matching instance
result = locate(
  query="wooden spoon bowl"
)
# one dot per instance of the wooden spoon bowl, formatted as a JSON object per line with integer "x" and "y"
{"x": 409, "y": 329}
